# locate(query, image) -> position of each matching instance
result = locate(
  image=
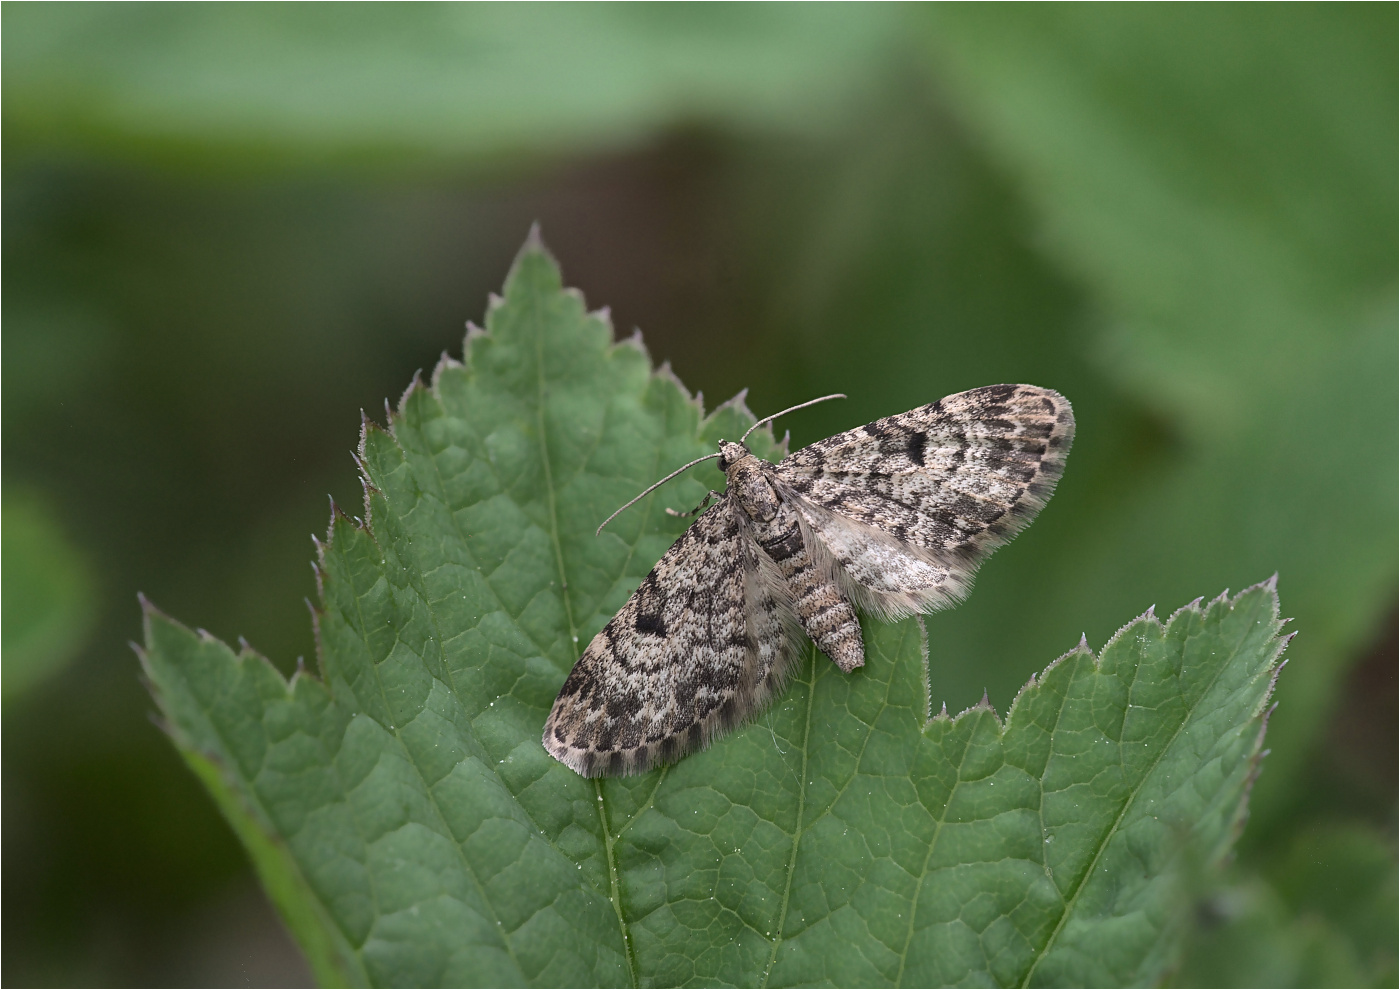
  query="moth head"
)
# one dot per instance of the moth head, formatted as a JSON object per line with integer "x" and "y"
{"x": 731, "y": 453}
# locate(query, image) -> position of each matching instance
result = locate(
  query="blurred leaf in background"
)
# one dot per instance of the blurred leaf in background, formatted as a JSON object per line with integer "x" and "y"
{"x": 49, "y": 603}
{"x": 450, "y": 84}
{"x": 229, "y": 228}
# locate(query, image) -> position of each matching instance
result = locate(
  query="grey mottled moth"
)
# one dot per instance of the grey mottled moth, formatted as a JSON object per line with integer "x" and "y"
{"x": 891, "y": 518}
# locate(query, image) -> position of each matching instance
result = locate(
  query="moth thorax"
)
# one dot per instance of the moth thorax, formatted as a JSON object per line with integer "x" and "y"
{"x": 749, "y": 482}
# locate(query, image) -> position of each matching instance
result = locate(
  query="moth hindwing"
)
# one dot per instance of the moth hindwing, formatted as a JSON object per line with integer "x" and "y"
{"x": 891, "y": 518}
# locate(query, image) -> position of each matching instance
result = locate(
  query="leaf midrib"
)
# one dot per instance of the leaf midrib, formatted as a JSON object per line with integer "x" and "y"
{"x": 800, "y": 827}
{"x": 797, "y": 828}
{"x": 614, "y": 881}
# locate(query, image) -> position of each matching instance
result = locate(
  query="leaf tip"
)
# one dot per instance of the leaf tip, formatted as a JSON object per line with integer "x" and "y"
{"x": 533, "y": 248}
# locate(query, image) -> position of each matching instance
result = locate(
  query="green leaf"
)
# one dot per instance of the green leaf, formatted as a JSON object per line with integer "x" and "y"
{"x": 351, "y": 84}
{"x": 50, "y": 603}
{"x": 413, "y": 831}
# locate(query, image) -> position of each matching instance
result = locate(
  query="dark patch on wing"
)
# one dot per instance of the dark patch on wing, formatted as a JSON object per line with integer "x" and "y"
{"x": 915, "y": 448}
{"x": 993, "y": 393}
{"x": 651, "y": 607}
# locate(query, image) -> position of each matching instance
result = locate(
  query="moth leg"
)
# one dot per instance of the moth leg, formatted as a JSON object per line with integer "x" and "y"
{"x": 698, "y": 509}
{"x": 824, "y": 612}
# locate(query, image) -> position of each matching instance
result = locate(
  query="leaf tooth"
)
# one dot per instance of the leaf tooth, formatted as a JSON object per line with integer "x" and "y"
{"x": 1123, "y": 630}
{"x": 983, "y": 705}
{"x": 1036, "y": 679}
{"x": 365, "y": 423}
{"x": 1193, "y": 607}
{"x": 337, "y": 513}
{"x": 603, "y": 315}
{"x": 445, "y": 363}
{"x": 415, "y": 383}
{"x": 738, "y": 401}
{"x": 697, "y": 400}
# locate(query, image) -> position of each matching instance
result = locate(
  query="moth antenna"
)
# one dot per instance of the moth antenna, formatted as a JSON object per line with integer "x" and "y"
{"x": 653, "y": 488}
{"x": 803, "y": 405}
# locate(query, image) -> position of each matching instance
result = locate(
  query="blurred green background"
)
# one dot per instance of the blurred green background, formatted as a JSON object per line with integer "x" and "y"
{"x": 229, "y": 228}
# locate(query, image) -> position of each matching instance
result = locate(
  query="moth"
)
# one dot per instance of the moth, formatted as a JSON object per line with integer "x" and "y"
{"x": 891, "y": 519}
